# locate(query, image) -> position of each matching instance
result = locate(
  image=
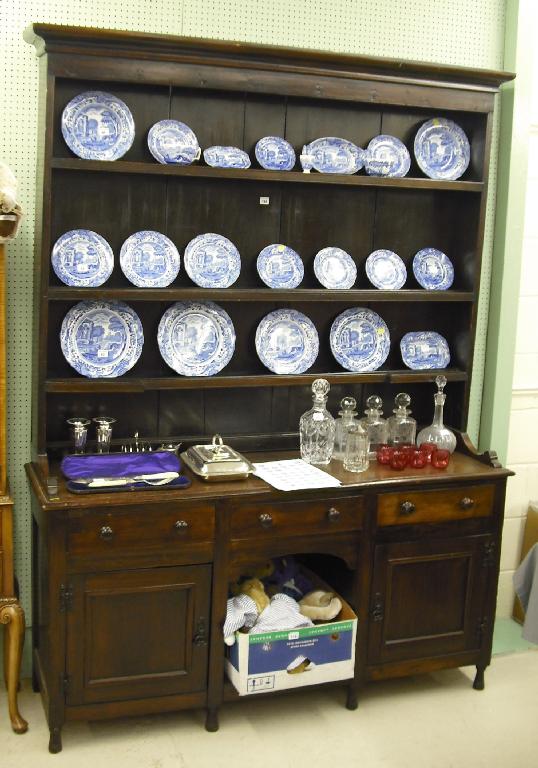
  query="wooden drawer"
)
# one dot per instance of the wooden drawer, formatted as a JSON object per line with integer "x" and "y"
{"x": 296, "y": 518}
{"x": 409, "y": 507}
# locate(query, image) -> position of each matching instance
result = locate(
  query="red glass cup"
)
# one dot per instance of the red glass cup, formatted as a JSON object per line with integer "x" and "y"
{"x": 399, "y": 459}
{"x": 440, "y": 458}
{"x": 408, "y": 449}
{"x": 427, "y": 449}
{"x": 384, "y": 453}
{"x": 418, "y": 459}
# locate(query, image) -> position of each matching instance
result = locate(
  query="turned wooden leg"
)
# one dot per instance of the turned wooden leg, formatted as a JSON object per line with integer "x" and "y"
{"x": 212, "y": 720}
{"x": 12, "y": 616}
{"x": 55, "y": 741}
{"x": 478, "y": 684}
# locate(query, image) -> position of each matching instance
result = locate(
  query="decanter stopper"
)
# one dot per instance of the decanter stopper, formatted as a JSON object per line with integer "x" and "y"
{"x": 317, "y": 427}
{"x": 320, "y": 390}
{"x": 402, "y": 401}
{"x": 374, "y": 403}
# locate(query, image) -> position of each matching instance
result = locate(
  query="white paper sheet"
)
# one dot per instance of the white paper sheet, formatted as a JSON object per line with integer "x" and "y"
{"x": 294, "y": 475}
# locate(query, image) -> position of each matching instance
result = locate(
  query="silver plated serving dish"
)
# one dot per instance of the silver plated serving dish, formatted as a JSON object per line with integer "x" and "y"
{"x": 216, "y": 462}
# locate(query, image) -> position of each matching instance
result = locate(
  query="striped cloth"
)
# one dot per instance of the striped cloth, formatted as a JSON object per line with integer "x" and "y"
{"x": 282, "y": 613}
{"x": 241, "y": 611}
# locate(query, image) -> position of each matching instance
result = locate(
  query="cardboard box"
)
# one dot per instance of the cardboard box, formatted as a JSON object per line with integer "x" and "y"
{"x": 530, "y": 537}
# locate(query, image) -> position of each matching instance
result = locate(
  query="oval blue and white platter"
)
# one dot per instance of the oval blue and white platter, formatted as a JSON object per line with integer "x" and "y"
{"x": 442, "y": 149}
{"x": 386, "y": 270}
{"x": 98, "y": 126}
{"x": 279, "y": 266}
{"x": 287, "y": 341}
{"x": 433, "y": 269}
{"x": 172, "y": 142}
{"x": 81, "y": 258}
{"x": 226, "y": 157}
{"x": 101, "y": 339}
{"x": 196, "y": 338}
{"x": 387, "y": 156}
{"x": 424, "y": 350}
{"x": 212, "y": 261}
{"x": 149, "y": 259}
{"x": 331, "y": 154}
{"x": 275, "y": 154}
{"x": 360, "y": 339}
{"x": 334, "y": 268}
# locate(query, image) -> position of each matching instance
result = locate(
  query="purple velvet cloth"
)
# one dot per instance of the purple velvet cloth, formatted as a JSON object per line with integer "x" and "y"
{"x": 119, "y": 464}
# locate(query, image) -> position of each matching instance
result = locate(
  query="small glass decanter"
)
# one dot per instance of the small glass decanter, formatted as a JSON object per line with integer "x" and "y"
{"x": 375, "y": 424}
{"x": 346, "y": 419}
{"x": 317, "y": 427}
{"x": 437, "y": 433}
{"x": 402, "y": 426}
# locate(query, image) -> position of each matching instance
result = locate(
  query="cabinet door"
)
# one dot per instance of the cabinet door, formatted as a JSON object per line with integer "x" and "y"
{"x": 137, "y": 634}
{"x": 428, "y": 598}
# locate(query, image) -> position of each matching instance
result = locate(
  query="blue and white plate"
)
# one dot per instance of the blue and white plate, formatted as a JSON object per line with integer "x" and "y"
{"x": 275, "y": 154}
{"x": 196, "y": 338}
{"x": 212, "y": 261}
{"x": 171, "y": 142}
{"x": 149, "y": 259}
{"x": 226, "y": 157}
{"x": 424, "y": 350}
{"x": 98, "y": 126}
{"x": 442, "y": 149}
{"x": 386, "y": 270}
{"x": 387, "y": 156}
{"x": 280, "y": 266}
{"x": 334, "y": 268}
{"x": 82, "y": 258}
{"x": 433, "y": 269}
{"x": 333, "y": 155}
{"x": 101, "y": 339}
{"x": 287, "y": 341}
{"x": 360, "y": 340}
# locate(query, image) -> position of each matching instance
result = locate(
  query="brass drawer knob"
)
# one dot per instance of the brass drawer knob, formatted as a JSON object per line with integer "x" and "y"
{"x": 181, "y": 526}
{"x": 266, "y": 520}
{"x": 407, "y": 508}
{"x": 333, "y": 515}
{"x": 106, "y": 532}
{"x": 466, "y": 503}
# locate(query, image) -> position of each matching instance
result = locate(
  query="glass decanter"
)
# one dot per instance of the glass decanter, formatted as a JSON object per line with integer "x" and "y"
{"x": 375, "y": 424}
{"x": 437, "y": 433}
{"x": 402, "y": 426}
{"x": 346, "y": 419}
{"x": 317, "y": 427}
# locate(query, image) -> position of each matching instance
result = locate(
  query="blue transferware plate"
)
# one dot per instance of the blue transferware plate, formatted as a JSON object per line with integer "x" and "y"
{"x": 275, "y": 154}
{"x": 433, "y": 269}
{"x": 101, "y": 339}
{"x": 442, "y": 149}
{"x": 332, "y": 155}
{"x": 360, "y": 340}
{"x": 212, "y": 261}
{"x": 82, "y": 258}
{"x": 196, "y": 338}
{"x": 334, "y": 268}
{"x": 280, "y": 266}
{"x": 226, "y": 157}
{"x": 424, "y": 350}
{"x": 149, "y": 259}
{"x": 287, "y": 341}
{"x": 385, "y": 270}
{"x": 171, "y": 142}
{"x": 387, "y": 156}
{"x": 98, "y": 126}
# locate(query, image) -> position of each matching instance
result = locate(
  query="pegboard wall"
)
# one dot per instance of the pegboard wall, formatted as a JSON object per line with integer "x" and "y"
{"x": 459, "y": 32}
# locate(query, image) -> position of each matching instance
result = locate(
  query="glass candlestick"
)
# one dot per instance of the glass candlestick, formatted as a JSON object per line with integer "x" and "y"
{"x": 402, "y": 426}
{"x": 375, "y": 425}
{"x": 346, "y": 419}
{"x": 317, "y": 427}
{"x": 437, "y": 433}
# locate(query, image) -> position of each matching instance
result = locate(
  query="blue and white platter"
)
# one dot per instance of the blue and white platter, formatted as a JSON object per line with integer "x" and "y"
{"x": 226, "y": 157}
{"x": 332, "y": 155}
{"x": 387, "y": 156}
{"x": 212, "y": 261}
{"x": 98, "y": 126}
{"x": 334, "y": 268}
{"x": 275, "y": 154}
{"x": 82, "y": 258}
{"x": 171, "y": 142}
{"x": 101, "y": 339}
{"x": 424, "y": 350}
{"x": 149, "y": 259}
{"x": 279, "y": 266}
{"x": 287, "y": 341}
{"x": 433, "y": 269}
{"x": 442, "y": 149}
{"x": 360, "y": 339}
{"x": 196, "y": 338}
{"x": 385, "y": 270}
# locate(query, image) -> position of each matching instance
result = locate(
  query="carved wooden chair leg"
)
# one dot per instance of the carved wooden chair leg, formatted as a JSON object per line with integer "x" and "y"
{"x": 478, "y": 684}
{"x": 12, "y": 616}
{"x": 212, "y": 720}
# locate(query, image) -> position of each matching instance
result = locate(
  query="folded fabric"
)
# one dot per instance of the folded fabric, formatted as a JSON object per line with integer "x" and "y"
{"x": 320, "y": 605}
{"x": 241, "y": 612}
{"x": 526, "y": 585}
{"x": 119, "y": 464}
{"x": 282, "y": 613}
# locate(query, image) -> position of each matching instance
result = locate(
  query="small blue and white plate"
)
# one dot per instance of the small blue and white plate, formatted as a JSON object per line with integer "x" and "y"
{"x": 98, "y": 126}
{"x": 442, "y": 149}
{"x": 333, "y": 155}
{"x": 275, "y": 154}
{"x": 171, "y": 142}
{"x": 387, "y": 156}
{"x": 101, "y": 339}
{"x": 360, "y": 340}
{"x": 287, "y": 341}
{"x": 334, "y": 268}
{"x": 82, "y": 258}
{"x": 433, "y": 269}
{"x": 226, "y": 157}
{"x": 424, "y": 350}
{"x": 196, "y": 338}
{"x": 385, "y": 270}
{"x": 149, "y": 259}
{"x": 279, "y": 266}
{"x": 212, "y": 261}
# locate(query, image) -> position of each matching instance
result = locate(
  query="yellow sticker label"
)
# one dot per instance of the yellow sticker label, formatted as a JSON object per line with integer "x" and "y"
{"x": 380, "y": 331}
{"x": 281, "y": 248}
